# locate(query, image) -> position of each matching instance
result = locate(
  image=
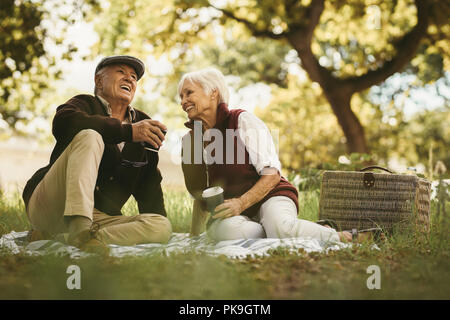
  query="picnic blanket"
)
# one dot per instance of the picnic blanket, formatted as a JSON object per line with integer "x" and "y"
{"x": 16, "y": 242}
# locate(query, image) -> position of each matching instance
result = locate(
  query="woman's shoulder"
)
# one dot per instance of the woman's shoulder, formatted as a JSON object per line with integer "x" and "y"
{"x": 248, "y": 119}
{"x": 244, "y": 115}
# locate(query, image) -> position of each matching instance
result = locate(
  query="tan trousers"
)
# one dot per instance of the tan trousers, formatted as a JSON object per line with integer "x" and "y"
{"x": 68, "y": 189}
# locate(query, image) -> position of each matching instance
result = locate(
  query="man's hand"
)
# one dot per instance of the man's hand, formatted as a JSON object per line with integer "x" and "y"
{"x": 149, "y": 131}
{"x": 229, "y": 208}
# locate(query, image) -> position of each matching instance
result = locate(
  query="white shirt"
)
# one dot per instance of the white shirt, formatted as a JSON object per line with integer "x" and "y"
{"x": 258, "y": 142}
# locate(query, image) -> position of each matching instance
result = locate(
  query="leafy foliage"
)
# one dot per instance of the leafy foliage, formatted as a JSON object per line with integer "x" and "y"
{"x": 355, "y": 44}
{"x": 308, "y": 131}
{"x": 245, "y": 39}
{"x": 28, "y": 46}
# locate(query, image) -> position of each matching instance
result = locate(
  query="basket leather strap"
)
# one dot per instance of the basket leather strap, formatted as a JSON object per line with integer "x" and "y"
{"x": 376, "y": 167}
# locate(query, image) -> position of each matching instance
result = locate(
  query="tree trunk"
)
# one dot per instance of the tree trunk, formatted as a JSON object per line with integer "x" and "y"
{"x": 348, "y": 121}
{"x": 339, "y": 91}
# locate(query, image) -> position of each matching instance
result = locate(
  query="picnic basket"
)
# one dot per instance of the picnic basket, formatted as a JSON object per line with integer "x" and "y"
{"x": 365, "y": 199}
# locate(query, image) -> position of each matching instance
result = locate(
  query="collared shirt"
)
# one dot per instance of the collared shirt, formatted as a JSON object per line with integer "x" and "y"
{"x": 259, "y": 142}
{"x": 255, "y": 136}
{"x": 130, "y": 115}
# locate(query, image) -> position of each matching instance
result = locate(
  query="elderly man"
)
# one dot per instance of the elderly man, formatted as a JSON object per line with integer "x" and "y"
{"x": 99, "y": 161}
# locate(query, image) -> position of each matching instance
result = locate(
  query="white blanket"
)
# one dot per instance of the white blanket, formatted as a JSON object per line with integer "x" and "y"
{"x": 15, "y": 242}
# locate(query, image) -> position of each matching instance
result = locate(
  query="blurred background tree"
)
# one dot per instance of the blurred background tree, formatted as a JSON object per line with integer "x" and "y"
{"x": 345, "y": 46}
{"x": 32, "y": 44}
{"x": 342, "y": 74}
{"x": 348, "y": 48}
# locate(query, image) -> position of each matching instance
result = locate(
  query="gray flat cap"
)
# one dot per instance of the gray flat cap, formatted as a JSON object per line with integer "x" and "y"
{"x": 133, "y": 62}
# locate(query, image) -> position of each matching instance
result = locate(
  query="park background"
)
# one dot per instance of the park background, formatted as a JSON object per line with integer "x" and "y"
{"x": 333, "y": 77}
{"x": 344, "y": 83}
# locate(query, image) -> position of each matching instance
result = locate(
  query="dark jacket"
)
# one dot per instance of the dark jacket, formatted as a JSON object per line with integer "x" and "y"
{"x": 235, "y": 178}
{"x": 116, "y": 180}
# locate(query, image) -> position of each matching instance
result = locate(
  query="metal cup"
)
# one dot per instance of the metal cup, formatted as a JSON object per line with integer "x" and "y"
{"x": 213, "y": 197}
{"x": 149, "y": 147}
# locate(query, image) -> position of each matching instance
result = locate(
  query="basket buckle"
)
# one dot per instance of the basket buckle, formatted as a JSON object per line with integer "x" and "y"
{"x": 369, "y": 180}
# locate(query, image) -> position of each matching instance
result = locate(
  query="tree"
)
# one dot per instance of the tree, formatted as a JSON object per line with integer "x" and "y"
{"x": 308, "y": 132}
{"x": 26, "y": 33}
{"x": 335, "y": 46}
{"x": 309, "y": 137}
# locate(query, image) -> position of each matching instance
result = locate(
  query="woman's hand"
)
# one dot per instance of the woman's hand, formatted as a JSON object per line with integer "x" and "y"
{"x": 229, "y": 208}
{"x": 235, "y": 206}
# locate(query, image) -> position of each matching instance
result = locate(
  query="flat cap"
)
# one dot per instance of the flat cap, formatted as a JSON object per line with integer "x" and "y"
{"x": 133, "y": 62}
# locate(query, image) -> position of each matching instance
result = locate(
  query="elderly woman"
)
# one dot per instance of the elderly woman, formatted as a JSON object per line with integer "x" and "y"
{"x": 259, "y": 202}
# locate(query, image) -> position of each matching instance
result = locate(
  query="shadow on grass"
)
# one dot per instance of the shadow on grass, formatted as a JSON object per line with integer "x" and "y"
{"x": 178, "y": 277}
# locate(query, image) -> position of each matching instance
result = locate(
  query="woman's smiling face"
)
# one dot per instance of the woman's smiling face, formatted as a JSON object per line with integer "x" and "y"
{"x": 194, "y": 101}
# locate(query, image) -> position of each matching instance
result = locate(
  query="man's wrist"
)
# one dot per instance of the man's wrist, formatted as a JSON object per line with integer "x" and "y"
{"x": 127, "y": 132}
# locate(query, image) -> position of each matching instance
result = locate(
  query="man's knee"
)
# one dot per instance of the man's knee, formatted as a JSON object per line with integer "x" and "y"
{"x": 89, "y": 138}
{"x": 160, "y": 228}
{"x": 165, "y": 229}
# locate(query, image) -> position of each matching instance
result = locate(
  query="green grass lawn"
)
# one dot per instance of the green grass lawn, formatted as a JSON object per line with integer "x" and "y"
{"x": 413, "y": 265}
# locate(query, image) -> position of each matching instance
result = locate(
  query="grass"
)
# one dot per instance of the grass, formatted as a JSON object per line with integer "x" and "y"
{"x": 12, "y": 213}
{"x": 413, "y": 265}
{"x": 178, "y": 206}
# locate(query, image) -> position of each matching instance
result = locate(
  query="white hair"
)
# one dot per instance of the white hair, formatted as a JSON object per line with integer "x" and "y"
{"x": 101, "y": 74}
{"x": 209, "y": 79}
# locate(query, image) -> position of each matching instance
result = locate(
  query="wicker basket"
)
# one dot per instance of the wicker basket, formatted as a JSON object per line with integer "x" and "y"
{"x": 367, "y": 199}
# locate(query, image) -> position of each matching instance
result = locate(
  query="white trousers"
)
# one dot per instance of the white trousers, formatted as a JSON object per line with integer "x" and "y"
{"x": 277, "y": 218}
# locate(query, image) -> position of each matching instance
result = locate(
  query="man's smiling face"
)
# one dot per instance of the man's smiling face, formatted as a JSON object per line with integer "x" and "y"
{"x": 117, "y": 83}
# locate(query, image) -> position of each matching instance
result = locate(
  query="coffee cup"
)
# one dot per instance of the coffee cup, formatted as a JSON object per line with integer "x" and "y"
{"x": 213, "y": 197}
{"x": 150, "y": 147}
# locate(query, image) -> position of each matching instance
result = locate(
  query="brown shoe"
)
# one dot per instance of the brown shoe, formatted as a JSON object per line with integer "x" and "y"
{"x": 36, "y": 235}
{"x": 88, "y": 241}
{"x": 95, "y": 246}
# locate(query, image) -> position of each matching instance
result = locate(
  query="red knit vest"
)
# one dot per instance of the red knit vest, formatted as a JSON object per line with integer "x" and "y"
{"x": 235, "y": 179}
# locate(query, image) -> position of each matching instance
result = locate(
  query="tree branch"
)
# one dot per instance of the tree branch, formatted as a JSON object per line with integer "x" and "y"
{"x": 314, "y": 12}
{"x": 405, "y": 47}
{"x": 250, "y": 25}
{"x": 300, "y": 37}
